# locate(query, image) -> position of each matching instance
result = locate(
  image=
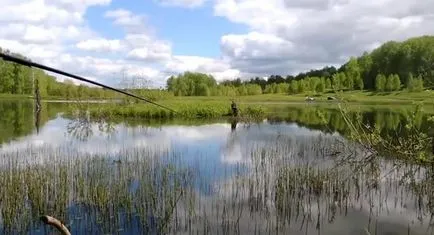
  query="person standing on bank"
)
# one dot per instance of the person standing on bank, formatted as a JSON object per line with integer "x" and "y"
{"x": 234, "y": 109}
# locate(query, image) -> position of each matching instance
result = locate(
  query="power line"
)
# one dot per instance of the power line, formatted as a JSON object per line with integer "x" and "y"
{"x": 36, "y": 65}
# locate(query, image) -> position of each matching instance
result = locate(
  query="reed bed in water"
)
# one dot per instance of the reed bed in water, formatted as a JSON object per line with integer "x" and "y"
{"x": 139, "y": 190}
{"x": 193, "y": 109}
{"x": 292, "y": 186}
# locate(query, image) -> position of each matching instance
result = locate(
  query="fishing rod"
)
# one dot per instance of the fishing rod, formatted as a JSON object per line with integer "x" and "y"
{"x": 14, "y": 59}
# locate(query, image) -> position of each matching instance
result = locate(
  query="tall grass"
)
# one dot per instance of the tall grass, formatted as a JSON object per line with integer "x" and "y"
{"x": 71, "y": 187}
{"x": 293, "y": 185}
{"x": 189, "y": 110}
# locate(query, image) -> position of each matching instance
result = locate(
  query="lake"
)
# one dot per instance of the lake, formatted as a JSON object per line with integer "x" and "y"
{"x": 295, "y": 172}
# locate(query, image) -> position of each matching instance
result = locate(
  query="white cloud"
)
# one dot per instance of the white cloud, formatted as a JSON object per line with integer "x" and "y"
{"x": 144, "y": 47}
{"x": 42, "y": 53}
{"x": 159, "y": 52}
{"x": 263, "y": 45}
{"x": 42, "y": 29}
{"x": 100, "y": 45}
{"x": 34, "y": 34}
{"x": 132, "y": 23}
{"x": 220, "y": 69}
{"x": 182, "y": 3}
{"x": 284, "y": 36}
{"x": 107, "y": 71}
{"x": 51, "y": 31}
{"x": 77, "y": 5}
{"x": 41, "y": 12}
{"x": 288, "y": 36}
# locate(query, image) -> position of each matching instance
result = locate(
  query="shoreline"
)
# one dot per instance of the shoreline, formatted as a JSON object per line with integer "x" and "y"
{"x": 365, "y": 97}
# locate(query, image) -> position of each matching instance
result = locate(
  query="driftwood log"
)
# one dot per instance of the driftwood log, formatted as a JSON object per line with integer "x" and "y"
{"x": 55, "y": 223}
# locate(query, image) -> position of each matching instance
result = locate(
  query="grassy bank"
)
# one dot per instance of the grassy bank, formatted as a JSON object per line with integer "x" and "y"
{"x": 400, "y": 97}
{"x": 184, "y": 109}
{"x": 14, "y": 96}
{"x": 366, "y": 97}
{"x": 251, "y": 106}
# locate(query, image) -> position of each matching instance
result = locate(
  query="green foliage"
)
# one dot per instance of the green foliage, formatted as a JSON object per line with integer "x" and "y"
{"x": 380, "y": 82}
{"x": 349, "y": 82}
{"x": 19, "y": 80}
{"x": 191, "y": 84}
{"x": 352, "y": 72}
{"x": 395, "y": 60}
{"x": 408, "y": 62}
{"x": 396, "y": 82}
{"x": 254, "y": 112}
{"x": 410, "y": 81}
{"x": 199, "y": 84}
{"x": 275, "y": 88}
{"x": 389, "y": 83}
{"x": 328, "y": 84}
{"x": 294, "y": 87}
{"x": 410, "y": 143}
{"x": 253, "y": 89}
{"x": 321, "y": 86}
{"x": 415, "y": 84}
{"x": 202, "y": 90}
{"x": 393, "y": 83}
{"x": 415, "y": 55}
{"x": 338, "y": 81}
{"x": 302, "y": 86}
{"x": 184, "y": 109}
{"x": 360, "y": 84}
{"x": 242, "y": 90}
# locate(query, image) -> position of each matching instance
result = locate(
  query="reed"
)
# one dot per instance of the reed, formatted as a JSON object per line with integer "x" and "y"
{"x": 284, "y": 185}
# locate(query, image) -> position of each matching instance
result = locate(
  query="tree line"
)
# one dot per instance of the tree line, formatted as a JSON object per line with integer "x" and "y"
{"x": 391, "y": 67}
{"x": 22, "y": 80}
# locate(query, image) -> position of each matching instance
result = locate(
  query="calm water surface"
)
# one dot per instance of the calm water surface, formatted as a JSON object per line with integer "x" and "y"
{"x": 286, "y": 175}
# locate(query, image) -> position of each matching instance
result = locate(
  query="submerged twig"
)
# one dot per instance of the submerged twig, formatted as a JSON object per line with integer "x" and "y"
{"x": 55, "y": 223}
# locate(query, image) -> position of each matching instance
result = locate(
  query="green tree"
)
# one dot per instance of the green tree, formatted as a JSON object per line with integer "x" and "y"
{"x": 352, "y": 72}
{"x": 202, "y": 90}
{"x": 321, "y": 85}
{"x": 242, "y": 90}
{"x": 191, "y": 84}
{"x": 396, "y": 82}
{"x": 336, "y": 82}
{"x": 269, "y": 88}
{"x": 348, "y": 82}
{"x": 410, "y": 82}
{"x": 282, "y": 88}
{"x": 6, "y": 77}
{"x": 360, "y": 84}
{"x": 294, "y": 87}
{"x": 380, "y": 82}
{"x": 415, "y": 84}
{"x": 328, "y": 84}
{"x": 302, "y": 86}
{"x": 390, "y": 83}
{"x": 365, "y": 64}
{"x": 253, "y": 89}
{"x": 18, "y": 79}
{"x": 312, "y": 83}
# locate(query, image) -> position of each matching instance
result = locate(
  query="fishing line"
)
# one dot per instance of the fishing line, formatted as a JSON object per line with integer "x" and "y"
{"x": 36, "y": 65}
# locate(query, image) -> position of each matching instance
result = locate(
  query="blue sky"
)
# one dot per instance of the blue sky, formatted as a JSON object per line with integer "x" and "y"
{"x": 192, "y": 31}
{"x": 154, "y": 39}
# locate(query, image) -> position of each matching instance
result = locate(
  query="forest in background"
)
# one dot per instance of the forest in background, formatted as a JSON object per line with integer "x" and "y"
{"x": 393, "y": 66}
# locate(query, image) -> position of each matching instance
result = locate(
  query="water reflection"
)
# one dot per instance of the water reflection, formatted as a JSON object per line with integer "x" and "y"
{"x": 278, "y": 177}
{"x": 234, "y": 125}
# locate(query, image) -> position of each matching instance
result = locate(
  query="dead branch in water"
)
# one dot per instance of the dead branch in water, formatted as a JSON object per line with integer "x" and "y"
{"x": 55, "y": 223}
